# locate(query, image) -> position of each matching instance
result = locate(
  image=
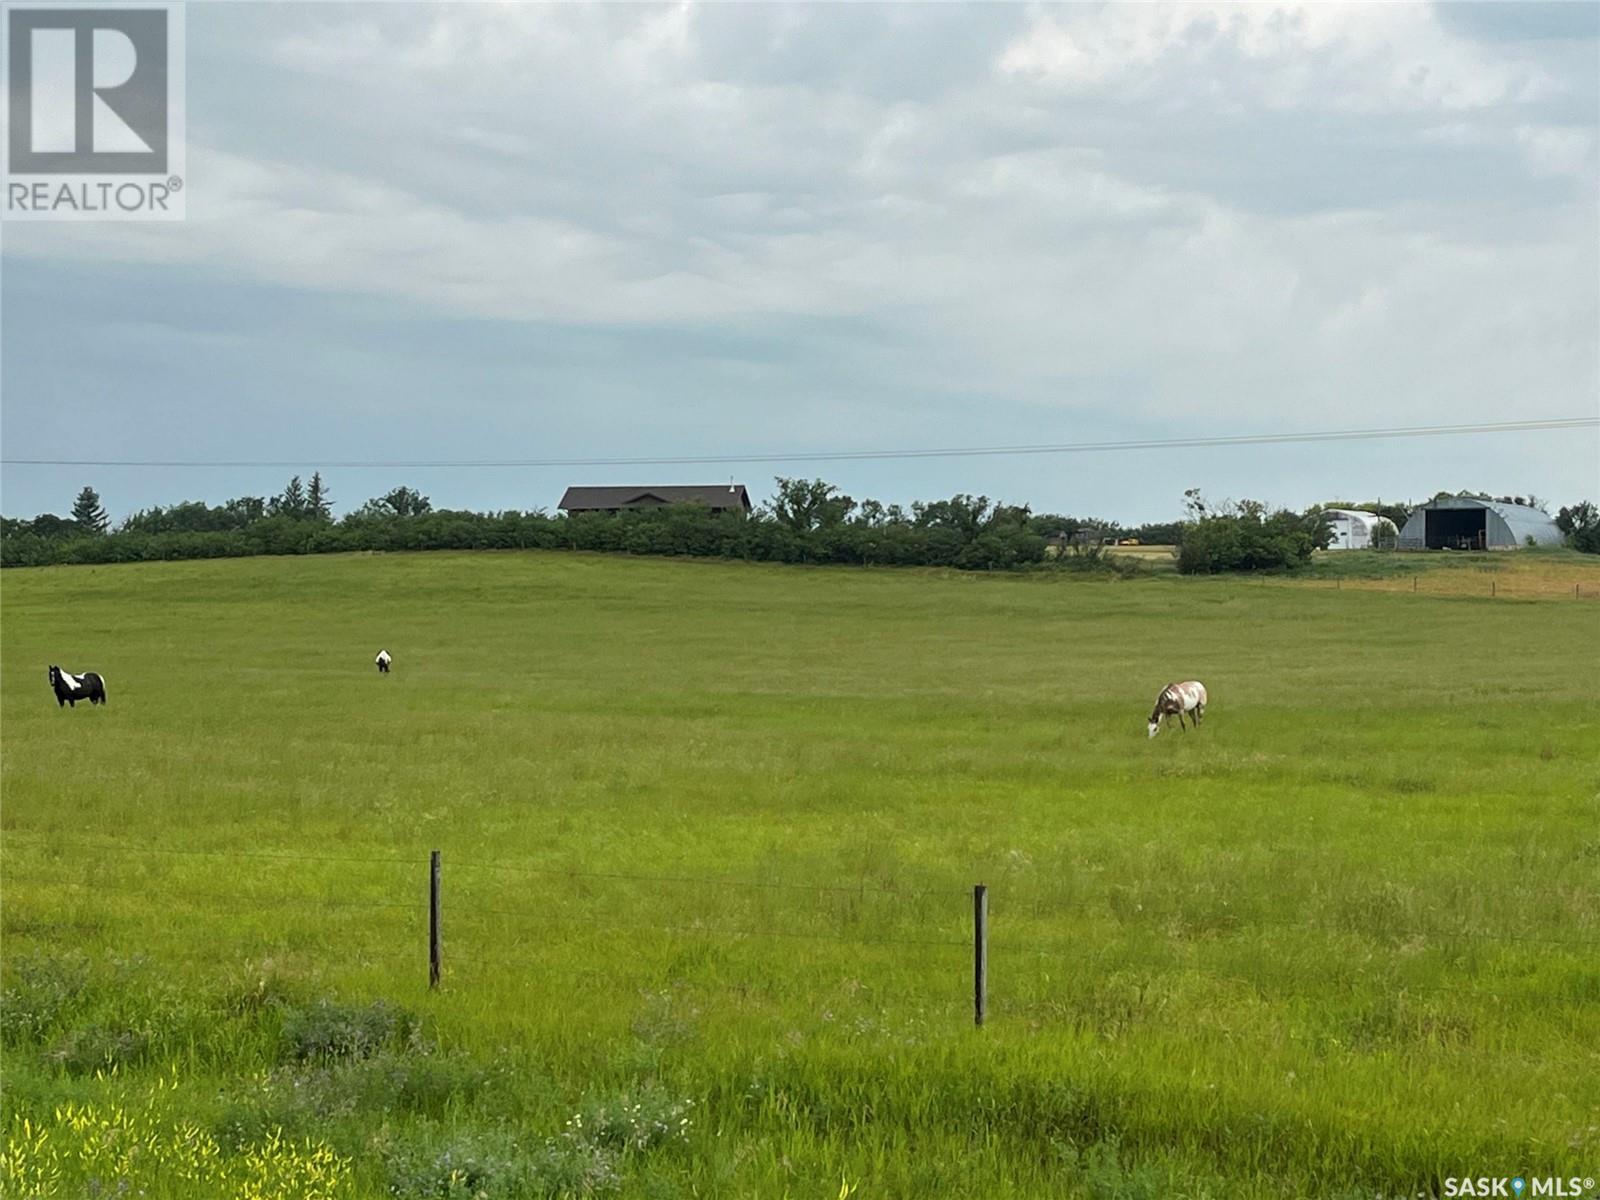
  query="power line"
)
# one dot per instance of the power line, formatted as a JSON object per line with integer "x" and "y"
{"x": 1256, "y": 439}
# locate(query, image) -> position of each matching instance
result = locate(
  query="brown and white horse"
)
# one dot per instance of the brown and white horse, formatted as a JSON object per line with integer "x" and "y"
{"x": 1177, "y": 699}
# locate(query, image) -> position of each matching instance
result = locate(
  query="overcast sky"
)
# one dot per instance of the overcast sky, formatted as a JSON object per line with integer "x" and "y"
{"x": 474, "y": 232}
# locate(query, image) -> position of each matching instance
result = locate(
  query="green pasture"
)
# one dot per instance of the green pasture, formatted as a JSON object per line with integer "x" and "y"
{"x": 709, "y": 834}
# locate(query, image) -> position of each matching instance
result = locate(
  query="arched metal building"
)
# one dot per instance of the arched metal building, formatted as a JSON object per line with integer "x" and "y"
{"x": 1465, "y": 523}
{"x": 1356, "y": 529}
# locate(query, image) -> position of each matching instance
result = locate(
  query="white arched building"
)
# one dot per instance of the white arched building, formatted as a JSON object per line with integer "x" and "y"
{"x": 1356, "y": 530}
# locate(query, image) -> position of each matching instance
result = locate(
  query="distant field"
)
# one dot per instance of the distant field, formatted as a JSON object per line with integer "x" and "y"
{"x": 1537, "y": 574}
{"x": 1158, "y": 558}
{"x": 1510, "y": 574}
{"x": 709, "y": 833}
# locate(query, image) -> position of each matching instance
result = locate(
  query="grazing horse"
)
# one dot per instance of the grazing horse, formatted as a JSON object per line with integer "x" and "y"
{"x": 383, "y": 660}
{"x": 1177, "y": 699}
{"x": 71, "y": 688}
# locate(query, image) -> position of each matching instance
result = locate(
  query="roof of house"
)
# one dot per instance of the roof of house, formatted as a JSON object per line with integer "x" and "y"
{"x": 712, "y": 495}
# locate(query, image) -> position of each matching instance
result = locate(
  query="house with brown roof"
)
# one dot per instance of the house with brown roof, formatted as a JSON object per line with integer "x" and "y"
{"x": 718, "y": 497}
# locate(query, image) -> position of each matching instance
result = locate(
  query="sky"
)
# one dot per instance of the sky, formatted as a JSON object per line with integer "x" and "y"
{"x": 461, "y": 231}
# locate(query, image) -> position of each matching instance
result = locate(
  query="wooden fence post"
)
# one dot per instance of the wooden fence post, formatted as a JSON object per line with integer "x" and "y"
{"x": 980, "y": 953}
{"x": 433, "y": 920}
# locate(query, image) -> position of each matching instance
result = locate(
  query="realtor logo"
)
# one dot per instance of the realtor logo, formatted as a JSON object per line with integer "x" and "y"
{"x": 94, "y": 113}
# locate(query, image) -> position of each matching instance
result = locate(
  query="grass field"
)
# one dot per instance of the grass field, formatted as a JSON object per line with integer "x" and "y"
{"x": 1538, "y": 574}
{"x": 709, "y": 834}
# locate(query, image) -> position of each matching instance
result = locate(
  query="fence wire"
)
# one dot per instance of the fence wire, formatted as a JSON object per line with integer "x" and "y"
{"x": 470, "y": 934}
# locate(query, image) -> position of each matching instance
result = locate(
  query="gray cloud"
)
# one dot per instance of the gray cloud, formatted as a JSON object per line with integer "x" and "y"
{"x": 891, "y": 224}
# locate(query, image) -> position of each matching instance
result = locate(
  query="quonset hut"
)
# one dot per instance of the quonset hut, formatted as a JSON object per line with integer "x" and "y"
{"x": 1466, "y": 523}
{"x": 1355, "y": 529}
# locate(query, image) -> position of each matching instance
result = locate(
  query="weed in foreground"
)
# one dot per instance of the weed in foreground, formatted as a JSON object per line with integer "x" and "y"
{"x": 107, "y": 1149}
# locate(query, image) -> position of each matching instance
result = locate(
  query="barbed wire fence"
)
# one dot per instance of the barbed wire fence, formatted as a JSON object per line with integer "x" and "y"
{"x": 440, "y": 900}
{"x": 1457, "y": 585}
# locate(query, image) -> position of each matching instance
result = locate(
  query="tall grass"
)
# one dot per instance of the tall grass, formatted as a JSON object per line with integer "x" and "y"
{"x": 709, "y": 833}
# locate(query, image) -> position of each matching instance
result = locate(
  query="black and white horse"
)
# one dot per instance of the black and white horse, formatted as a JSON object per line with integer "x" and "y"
{"x": 383, "y": 660}
{"x": 70, "y": 688}
{"x": 1177, "y": 699}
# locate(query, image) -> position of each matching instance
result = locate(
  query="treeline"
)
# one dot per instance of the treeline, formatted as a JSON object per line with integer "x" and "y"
{"x": 806, "y": 521}
{"x": 1581, "y": 523}
{"x": 1245, "y": 536}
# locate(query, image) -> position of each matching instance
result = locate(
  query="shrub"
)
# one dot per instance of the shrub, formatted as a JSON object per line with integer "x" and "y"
{"x": 493, "y": 1165}
{"x": 330, "y": 1030}
{"x": 1581, "y": 524}
{"x": 38, "y": 992}
{"x": 1095, "y": 558}
{"x": 643, "y": 1121}
{"x": 302, "y": 1098}
{"x": 1246, "y": 538}
{"x": 102, "y": 1047}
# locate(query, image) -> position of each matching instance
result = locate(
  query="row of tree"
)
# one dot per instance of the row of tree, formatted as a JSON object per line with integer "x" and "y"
{"x": 1245, "y": 536}
{"x": 298, "y": 501}
{"x": 806, "y": 521}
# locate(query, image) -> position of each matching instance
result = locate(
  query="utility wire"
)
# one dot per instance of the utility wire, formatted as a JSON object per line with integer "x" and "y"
{"x": 1258, "y": 439}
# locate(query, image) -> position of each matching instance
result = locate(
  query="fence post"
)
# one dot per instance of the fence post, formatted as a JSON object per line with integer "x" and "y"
{"x": 433, "y": 920}
{"x": 1491, "y": 587}
{"x": 980, "y": 953}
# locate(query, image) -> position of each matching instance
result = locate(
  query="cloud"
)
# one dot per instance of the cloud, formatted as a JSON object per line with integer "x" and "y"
{"x": 1359, "y": 58}
{"x": 1558, "y": 150}
{"x": 1250, "y": 215}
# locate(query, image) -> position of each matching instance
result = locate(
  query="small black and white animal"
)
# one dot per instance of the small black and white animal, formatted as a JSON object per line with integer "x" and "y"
{"x": 1175, "y": 700}
{"x": 70, "y": 688}
{"x": 383, "y": 660}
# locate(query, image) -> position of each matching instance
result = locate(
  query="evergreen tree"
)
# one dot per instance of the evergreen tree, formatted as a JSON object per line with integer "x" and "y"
{"x": 86, "y": 511}
{"x": 319, "y": 505}
{"x": 293, "y": 501}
